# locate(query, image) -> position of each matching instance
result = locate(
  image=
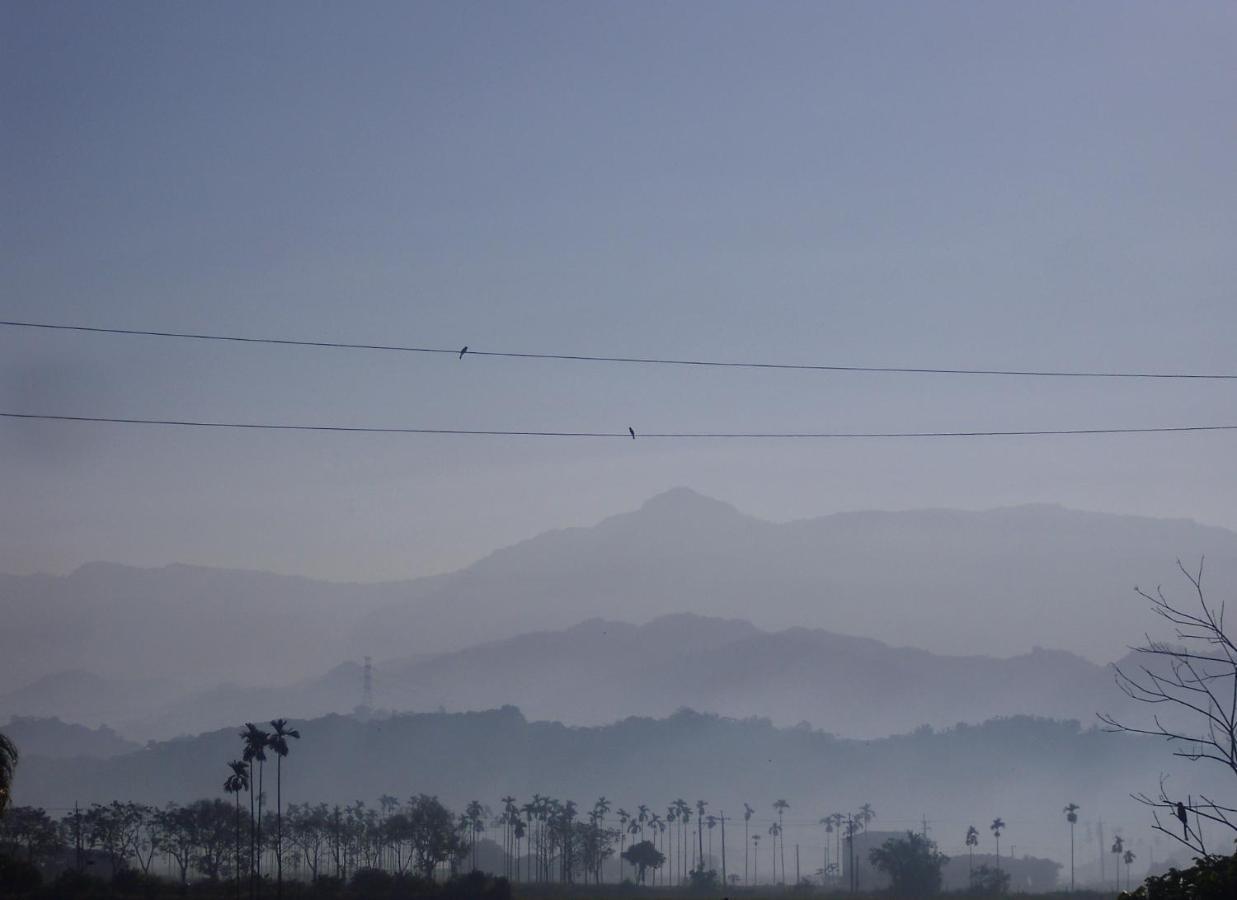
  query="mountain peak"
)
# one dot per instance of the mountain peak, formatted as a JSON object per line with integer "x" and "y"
{"x": 684, "y": 500}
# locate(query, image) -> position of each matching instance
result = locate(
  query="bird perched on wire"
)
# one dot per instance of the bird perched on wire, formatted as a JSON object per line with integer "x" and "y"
{"x": 1185, "y": 822}
{"x": 463, "y": 350}
{"x": 632, "y": 432}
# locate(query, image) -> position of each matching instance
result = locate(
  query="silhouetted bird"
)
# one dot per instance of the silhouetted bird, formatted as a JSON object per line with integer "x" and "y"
{"x": 463, "y": 351}
{"x": 1185, "y": 823}
{"x": 633, "y": 432}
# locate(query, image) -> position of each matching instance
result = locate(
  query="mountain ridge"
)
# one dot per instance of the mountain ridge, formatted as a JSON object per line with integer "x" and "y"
{"x": 922, "y": 578}
{"x": 601, "y": 670}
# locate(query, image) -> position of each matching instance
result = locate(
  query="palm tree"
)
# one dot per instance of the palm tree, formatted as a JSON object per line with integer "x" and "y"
{"x": 747, "y": 817}
{"x": 600, "y": 810}
{"x": 685, "y": 816}
{"x": 995, "y": 828}
{"x": 672, "y": 818}
{"x": 755, "y": 858}
{"x": 866, "y": 815}
{"x": 8, "y": 762}
{"x": 658, "y": 828}
{"x": 774, "y": 831}
{"x": 518, "y": 830}
{"x": 1071, "y": 816}
{"x": 972, "y": 841}
{"x": 623, "y": 816}
{"x": 852, "y": 828}
{"x": 634, "y": 827}
{"x": 1129, "y": 858}
{"x": 838, "y": 819}
{"x": 662, "y": 826}
{"x": 531, "y": 810}
{"x": 278, "y": 741}
{"x": 474, "y": 818}
{"x": 781, "y": 806}
{"x": 254, "y": 739}
{"x": 1118, "y": 847}
{"x": 700, "y": 805}
{"x": 508, "y": 817}
{"x": 827, "y": 821}
{"x": 238, "y": 781}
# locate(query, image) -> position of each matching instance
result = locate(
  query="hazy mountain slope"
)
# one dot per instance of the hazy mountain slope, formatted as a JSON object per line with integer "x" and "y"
{"x": 339, "y": 690}
{"x": 181, "y": 622}
{"x": 50, "y": 737}
{"x": 88, "y": 698}
{"x": 600, "y": 671}
{"x": 997, "y": 582}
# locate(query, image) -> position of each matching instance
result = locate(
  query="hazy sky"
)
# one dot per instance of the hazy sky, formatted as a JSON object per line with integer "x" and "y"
{"x": 945, "y": 184}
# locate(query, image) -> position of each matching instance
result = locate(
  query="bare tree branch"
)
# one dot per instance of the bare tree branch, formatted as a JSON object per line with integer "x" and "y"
{"x": 1201, "y": 680}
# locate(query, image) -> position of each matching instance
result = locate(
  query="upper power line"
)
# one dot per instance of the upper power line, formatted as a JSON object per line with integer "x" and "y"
{"x": 628, "y": 434}
{"x": 466, "y": 350}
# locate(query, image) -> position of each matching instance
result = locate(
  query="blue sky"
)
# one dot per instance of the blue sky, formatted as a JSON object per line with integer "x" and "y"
{"x": 976, "y": 184}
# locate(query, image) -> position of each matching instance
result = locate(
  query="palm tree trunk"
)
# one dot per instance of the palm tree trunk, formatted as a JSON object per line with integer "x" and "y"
{"x": 279, "y": 826}
{"x": 258, "y": 868}
{"x": 1071, "y": 857}
{"x": 252, "y": 835}
{"x": 781, "y": 837}
{"x": 238, "y": 844}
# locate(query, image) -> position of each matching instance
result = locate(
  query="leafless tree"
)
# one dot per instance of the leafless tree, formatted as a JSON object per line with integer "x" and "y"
{"x": 1197, "y": 679}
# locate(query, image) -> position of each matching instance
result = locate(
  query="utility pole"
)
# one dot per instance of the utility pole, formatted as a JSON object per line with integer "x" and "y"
{"x": 796, "y": 863}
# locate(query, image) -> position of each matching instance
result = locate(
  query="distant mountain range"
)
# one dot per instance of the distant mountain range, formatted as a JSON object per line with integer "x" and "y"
{"x": 115, "y": 644}
{"x": 600, "y": 671}
{"x": 998, "y": 582}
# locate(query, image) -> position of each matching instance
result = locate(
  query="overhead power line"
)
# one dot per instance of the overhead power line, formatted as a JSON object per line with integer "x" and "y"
{"x": 635, "y": 360}
{"x": 625, "y": 435}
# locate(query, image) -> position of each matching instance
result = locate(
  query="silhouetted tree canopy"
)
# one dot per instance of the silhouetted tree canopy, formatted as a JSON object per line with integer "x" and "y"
{"x": 643, "y": 855}
{"x": 8, "y": 763}
{"x": 912, "y": 863}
